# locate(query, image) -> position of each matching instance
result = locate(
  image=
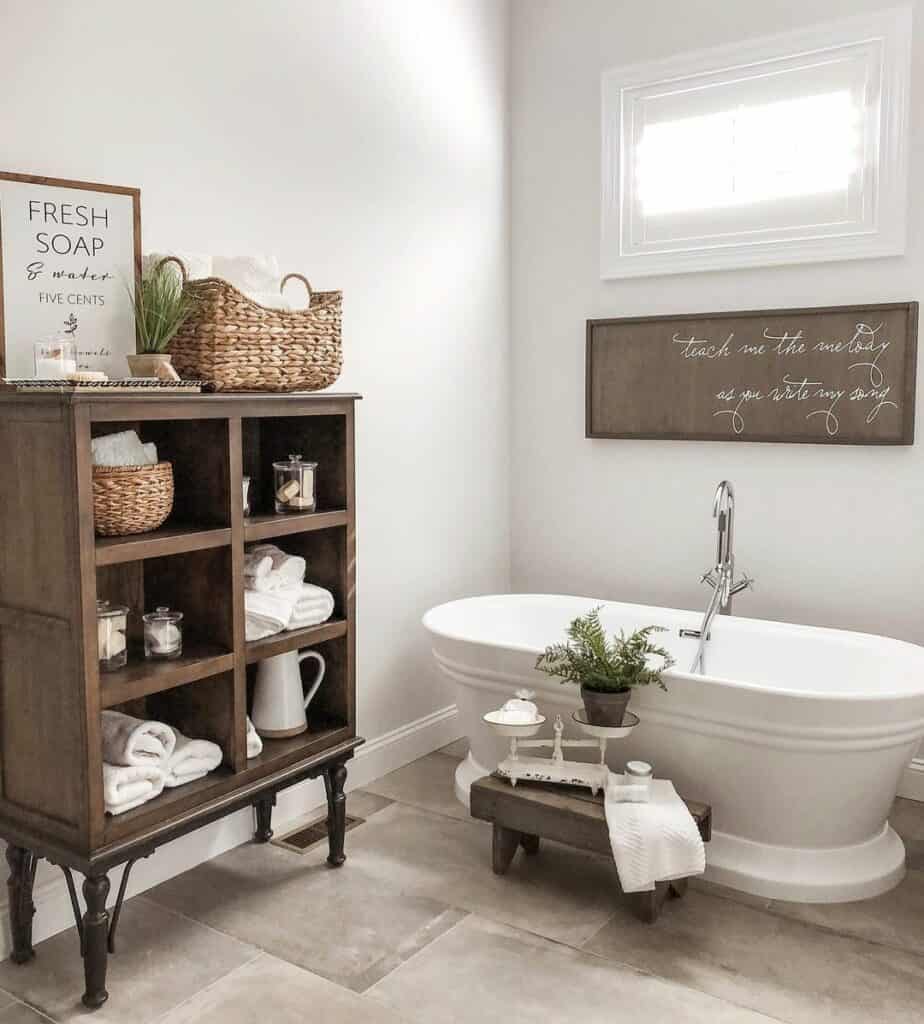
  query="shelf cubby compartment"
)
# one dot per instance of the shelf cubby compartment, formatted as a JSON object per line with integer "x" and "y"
{"x": 330, "y": 713}
{"x": 321, "y": 439}
{"x": 200, "y": 710}
{"x": 200, "y": 455}
{"x": 197, "y": 583}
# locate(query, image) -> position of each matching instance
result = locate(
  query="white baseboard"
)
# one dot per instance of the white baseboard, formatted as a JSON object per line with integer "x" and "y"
{"x": 912, "y": 784}
{"x": 374, "y": 759}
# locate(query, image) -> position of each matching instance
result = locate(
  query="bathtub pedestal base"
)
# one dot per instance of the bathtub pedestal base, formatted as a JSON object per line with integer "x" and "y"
{"x": 833, "y": 875}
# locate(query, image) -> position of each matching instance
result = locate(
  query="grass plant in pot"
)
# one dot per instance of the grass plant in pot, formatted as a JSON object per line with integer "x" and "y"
{"x": 161, "y": 307}
{"x": 607, "y": 670}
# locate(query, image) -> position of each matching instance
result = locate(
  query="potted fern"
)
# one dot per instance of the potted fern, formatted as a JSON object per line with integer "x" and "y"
{"x": 606, "y": 670}
{"x": 161, "y": 307}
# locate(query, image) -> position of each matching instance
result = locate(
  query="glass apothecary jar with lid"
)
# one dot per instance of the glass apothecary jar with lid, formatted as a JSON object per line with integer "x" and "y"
{"x": 293, "y": 483}
{"x": 111, "y": 625}
{"x": 163, "y": 633}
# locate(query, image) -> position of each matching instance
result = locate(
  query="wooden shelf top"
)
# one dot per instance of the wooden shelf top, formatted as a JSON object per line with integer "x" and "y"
{"x": 141, "y": 677}
{"x": 294, "y": 639}
{"x": 263, "y": 527}
{"x": 174, "y": 539}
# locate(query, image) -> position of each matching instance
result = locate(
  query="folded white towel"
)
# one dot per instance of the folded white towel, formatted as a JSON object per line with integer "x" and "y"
{"x": 130, "y": 741}
{"x": 191, "y": 760}
{"x": 128, "y": 786}
{"x": 284, "y": 570}
{"x": 252, "y": 274}
{"x": 627, "y": 793}
{"x": 122, "y": 449}
{"x": 254, "y": 743}
{"x": 257, "y": 628}
{"x": 654, "y": 841}
{"x": 198, "y": 264}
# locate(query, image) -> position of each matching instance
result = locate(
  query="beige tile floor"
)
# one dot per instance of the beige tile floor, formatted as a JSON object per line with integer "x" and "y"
{"x": 416, "y": 929}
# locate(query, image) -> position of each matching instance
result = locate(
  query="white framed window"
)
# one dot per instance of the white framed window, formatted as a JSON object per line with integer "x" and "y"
{"x": 786, "y": 149}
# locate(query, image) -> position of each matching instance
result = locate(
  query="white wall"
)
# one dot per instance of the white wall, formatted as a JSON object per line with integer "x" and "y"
{"x": 834, "y": 536}
{"x": 366, "y": 143}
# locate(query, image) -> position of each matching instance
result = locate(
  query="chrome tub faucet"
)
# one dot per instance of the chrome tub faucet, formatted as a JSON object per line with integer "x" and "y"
{"x": 721, "y": 577}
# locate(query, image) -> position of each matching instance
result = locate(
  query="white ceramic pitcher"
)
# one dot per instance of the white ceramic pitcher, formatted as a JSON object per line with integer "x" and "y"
{"x": 279, "y": 702}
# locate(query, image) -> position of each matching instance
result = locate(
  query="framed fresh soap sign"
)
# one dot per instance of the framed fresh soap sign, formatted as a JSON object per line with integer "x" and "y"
{"x": 70, "y": 258}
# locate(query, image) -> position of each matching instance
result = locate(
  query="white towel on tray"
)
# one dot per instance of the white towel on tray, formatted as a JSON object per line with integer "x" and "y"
{"x": 128, "y": 786}
{"x": 268, "y": 569}
{"x": 654, "y": 841}
{"x": 293, "y": 607}
{"x": 191, "y": 760}
{"x": 131, "y": 741}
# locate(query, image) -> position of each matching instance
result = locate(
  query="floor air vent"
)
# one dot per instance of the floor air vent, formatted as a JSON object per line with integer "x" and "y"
{"x": 306, "y": 838}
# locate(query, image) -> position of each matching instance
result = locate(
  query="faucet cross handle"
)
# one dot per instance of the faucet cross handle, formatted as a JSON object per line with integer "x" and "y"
{"x": 745, "y": 583}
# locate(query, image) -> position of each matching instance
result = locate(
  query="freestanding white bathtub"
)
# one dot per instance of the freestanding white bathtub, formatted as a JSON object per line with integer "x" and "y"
{"x": 797, "y": 736}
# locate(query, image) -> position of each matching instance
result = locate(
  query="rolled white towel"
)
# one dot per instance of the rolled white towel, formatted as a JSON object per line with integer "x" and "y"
{"x": 314, "y": 605}
{"x": 654, "y": 841}
{"x": 128, "y": 786}
{"x": 285, "y": 570}
{"x": 254, "y": 743}
{"x": 191, "y": 760}
{"x": 272, "y": 609}
{"x": 256, "y": 566}
{"x": 131, "y": 741}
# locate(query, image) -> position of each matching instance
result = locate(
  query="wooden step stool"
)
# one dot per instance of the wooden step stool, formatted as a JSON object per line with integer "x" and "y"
{"x": 568, "y": 814}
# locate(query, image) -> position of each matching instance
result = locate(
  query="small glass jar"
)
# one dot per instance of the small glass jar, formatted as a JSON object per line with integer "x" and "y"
{"x": 54, "y": 360}
{"x": 293, "y": 483}
{"x": 638, "y": 773}
{"x": 111, "y": 623}
{"x": 246, "y": 482}
{"x": 163, "y": 634}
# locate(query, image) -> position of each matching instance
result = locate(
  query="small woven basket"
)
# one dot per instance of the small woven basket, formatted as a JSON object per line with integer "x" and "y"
{"x": 131, "y": 499}
{"x": 239, "y": 345}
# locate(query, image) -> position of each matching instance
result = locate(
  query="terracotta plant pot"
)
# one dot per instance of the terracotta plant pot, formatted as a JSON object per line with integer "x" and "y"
{"x": 605, "y": 708}
{"x": 151, "y": 364}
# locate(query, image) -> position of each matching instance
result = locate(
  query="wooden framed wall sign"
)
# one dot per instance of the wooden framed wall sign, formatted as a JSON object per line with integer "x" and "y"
{"x": 70, "y": 258}
{"x": 832, "y": 375}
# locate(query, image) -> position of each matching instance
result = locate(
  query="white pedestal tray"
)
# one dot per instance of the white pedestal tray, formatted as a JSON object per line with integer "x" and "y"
{"x": 556, "y": 768}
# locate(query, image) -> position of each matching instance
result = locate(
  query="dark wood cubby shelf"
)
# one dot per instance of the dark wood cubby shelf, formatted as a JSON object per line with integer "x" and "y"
{"x": 53, "y": 569}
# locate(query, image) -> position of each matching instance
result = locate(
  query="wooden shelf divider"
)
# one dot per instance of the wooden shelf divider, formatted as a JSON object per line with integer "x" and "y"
{"x": 142, "y": 677}
{"x": 169, "y": 540}
{"x": 294, "y": 639}
{"x": 265, "y": 527}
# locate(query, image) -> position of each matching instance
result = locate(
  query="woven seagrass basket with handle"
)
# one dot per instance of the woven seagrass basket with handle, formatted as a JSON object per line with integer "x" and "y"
{"x": 239, "y": 345}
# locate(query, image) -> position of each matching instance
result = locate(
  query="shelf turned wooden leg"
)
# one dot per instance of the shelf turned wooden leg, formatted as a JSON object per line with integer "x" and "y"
{"x": 264, "y": 810}
{"x": 96, "y": 940}
{"x": 19, "y": 885}
{"x": 503, "y": 846}
{"x": 334, "y": 780}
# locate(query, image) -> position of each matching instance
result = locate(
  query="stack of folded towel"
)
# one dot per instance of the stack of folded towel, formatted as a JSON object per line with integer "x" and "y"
{"x": 652, "y": 833}
{"x": 141, "y": 758}
{"x": 275, "y": 598}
